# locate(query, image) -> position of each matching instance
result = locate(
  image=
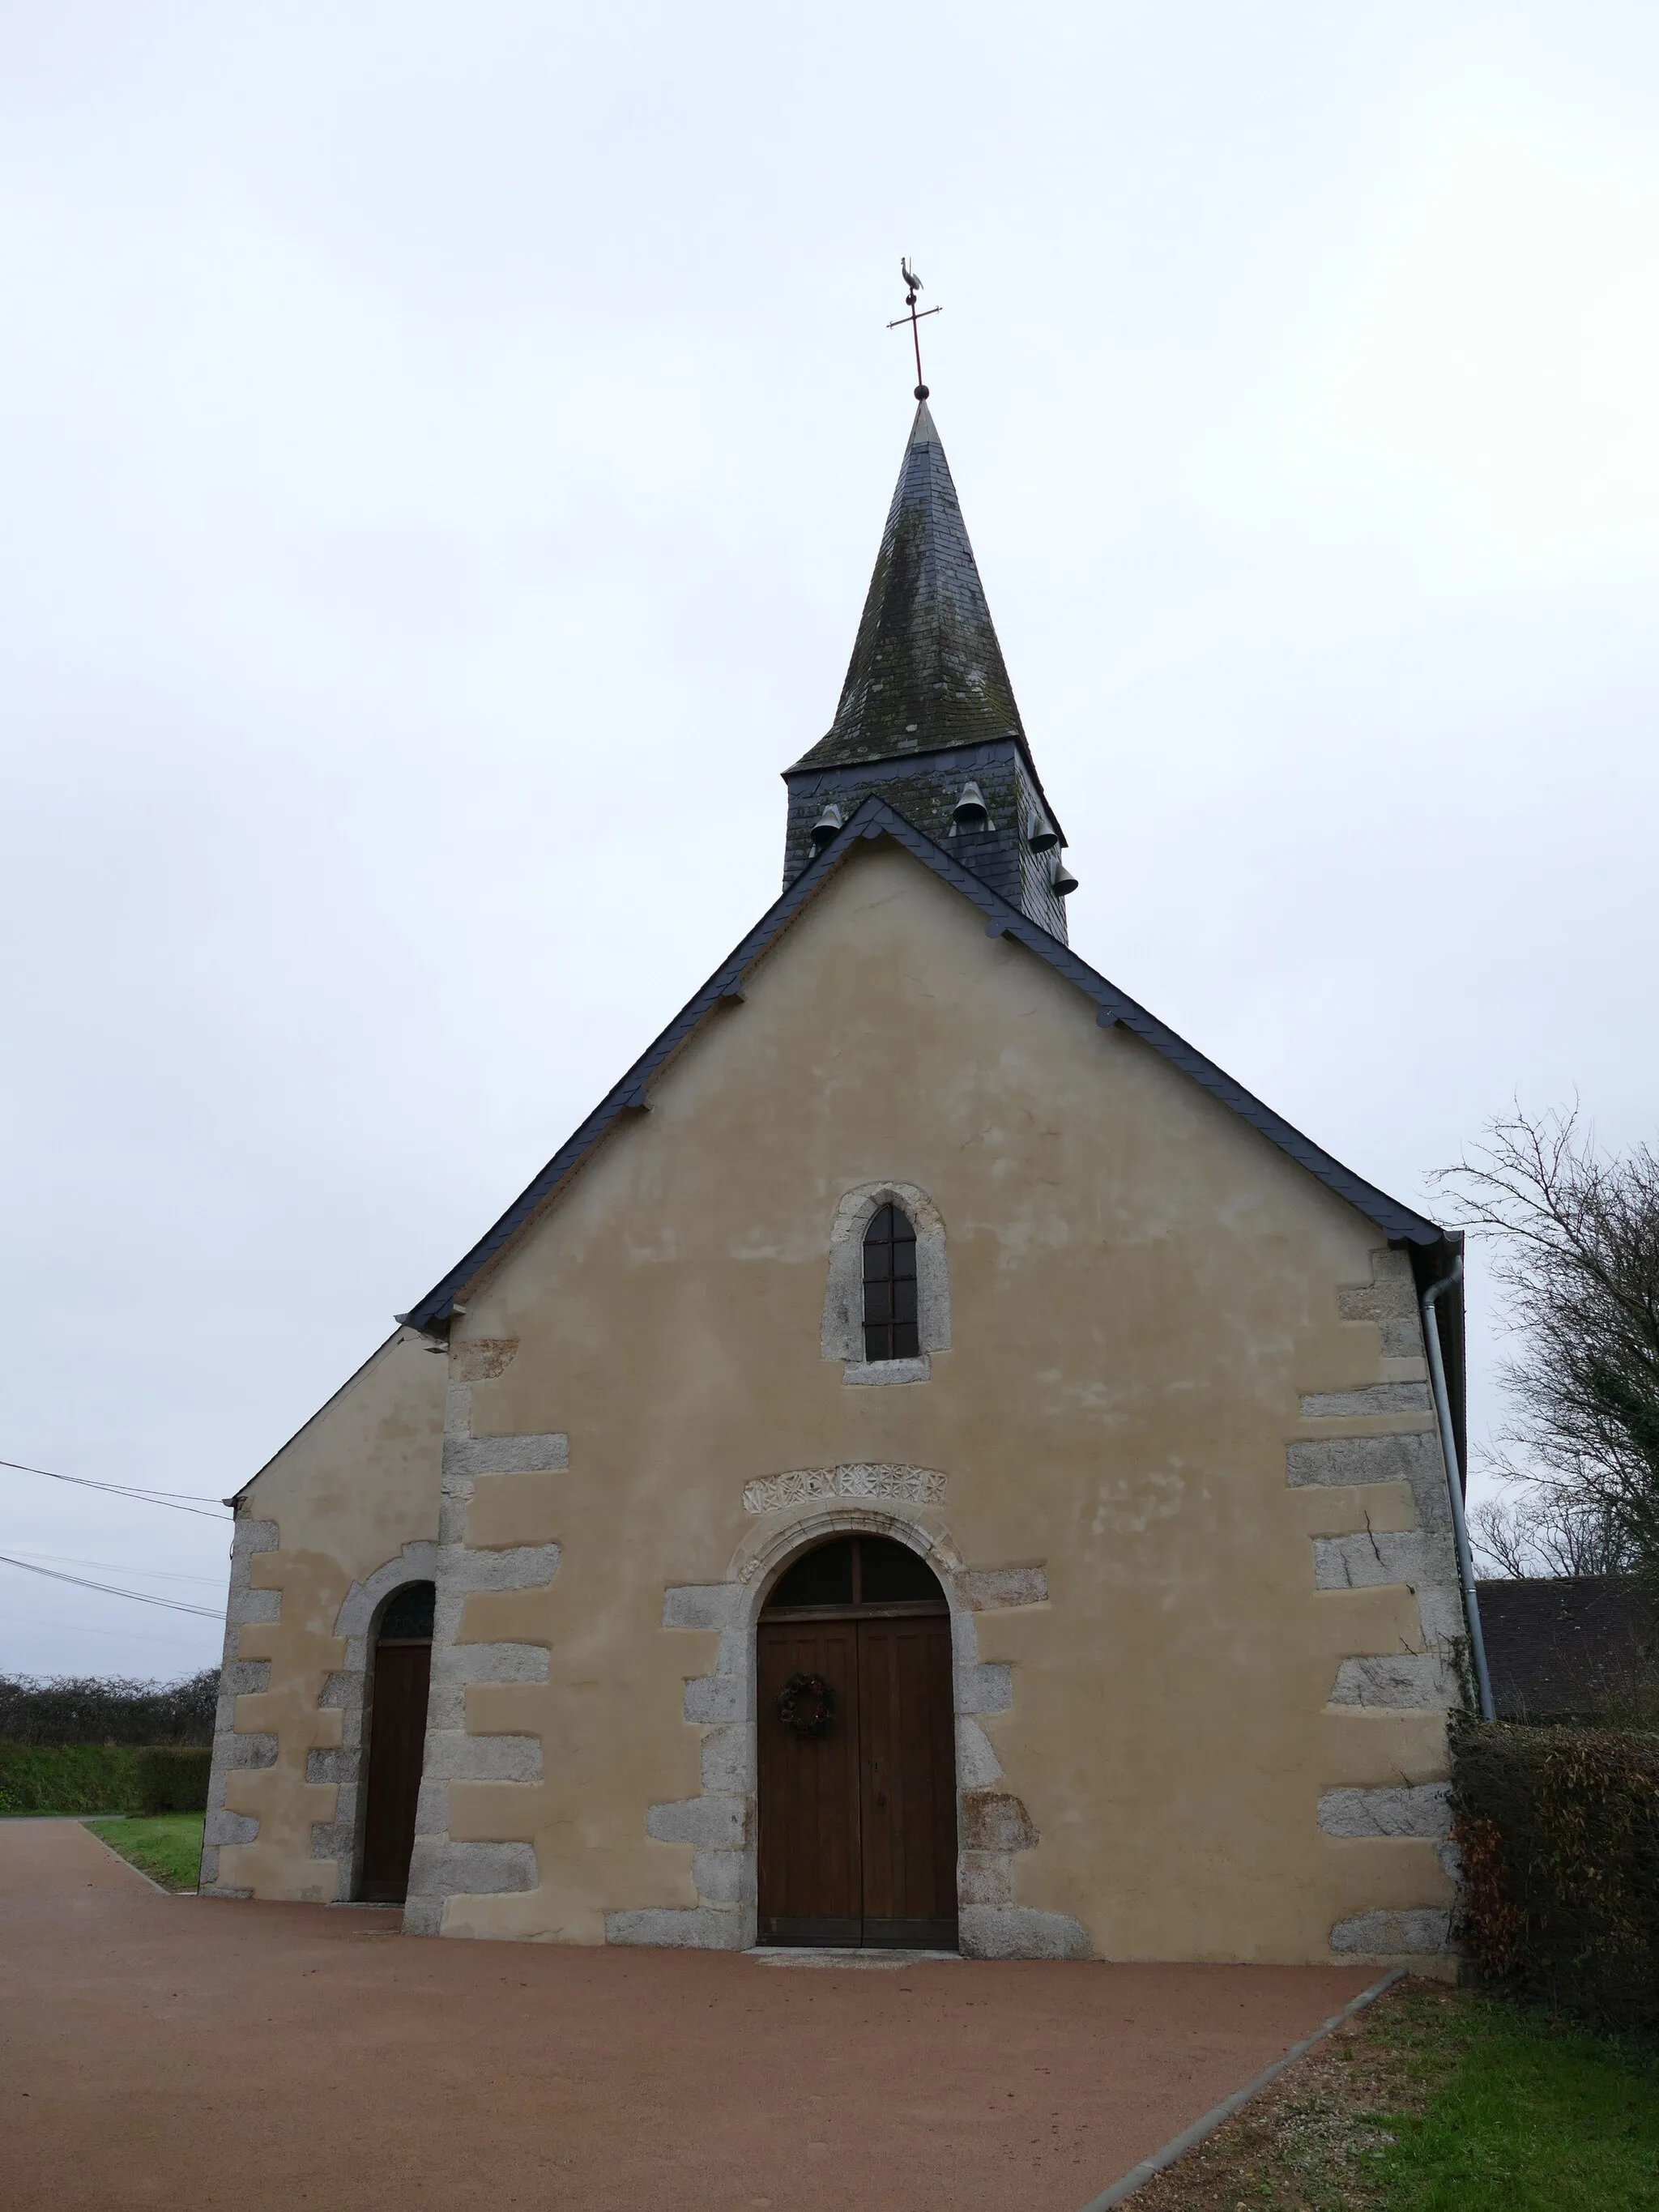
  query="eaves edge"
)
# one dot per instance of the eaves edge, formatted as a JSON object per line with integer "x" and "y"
{"x": 874, "y": 817}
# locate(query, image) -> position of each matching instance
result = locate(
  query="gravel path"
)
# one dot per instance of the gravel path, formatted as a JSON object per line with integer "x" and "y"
{"x": 202, "y": 2054}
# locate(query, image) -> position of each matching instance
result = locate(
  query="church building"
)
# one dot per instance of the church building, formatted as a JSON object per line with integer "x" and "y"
{"x": 931, "y": 1462}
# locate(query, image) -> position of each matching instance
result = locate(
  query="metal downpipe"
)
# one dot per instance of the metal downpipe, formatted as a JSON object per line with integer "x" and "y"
{"x": 1455, "y": 1485}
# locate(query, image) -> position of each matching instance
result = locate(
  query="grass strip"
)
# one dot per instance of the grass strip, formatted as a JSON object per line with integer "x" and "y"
{"x": 1437, "y": 2100}
{"x": 1534, "y": 2117}
{"x": 167, "y": 1846}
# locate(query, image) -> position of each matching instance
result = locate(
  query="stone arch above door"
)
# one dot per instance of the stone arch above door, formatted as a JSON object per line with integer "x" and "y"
{"x": 992, "y": 1825}
{"x": 341, "y": 1838}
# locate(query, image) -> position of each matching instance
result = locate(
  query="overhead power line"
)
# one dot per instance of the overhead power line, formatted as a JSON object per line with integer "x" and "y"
{"x": 142, "y": 1597}
{"x": 173, "y": 1499}
{"x": 118, "y": 1567}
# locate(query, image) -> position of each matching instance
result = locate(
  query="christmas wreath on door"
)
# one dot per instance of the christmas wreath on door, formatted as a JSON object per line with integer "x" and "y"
{"x": 807, "y": 1705}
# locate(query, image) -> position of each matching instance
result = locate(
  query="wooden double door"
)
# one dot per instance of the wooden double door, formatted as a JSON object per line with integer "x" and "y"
{"x": 858, "y": 1828}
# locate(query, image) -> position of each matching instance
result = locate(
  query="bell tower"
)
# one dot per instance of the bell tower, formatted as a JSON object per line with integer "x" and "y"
{"x": 927, "y": 719}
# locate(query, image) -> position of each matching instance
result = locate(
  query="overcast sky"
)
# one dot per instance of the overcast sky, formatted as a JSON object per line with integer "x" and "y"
{"x": 442, "y": 453}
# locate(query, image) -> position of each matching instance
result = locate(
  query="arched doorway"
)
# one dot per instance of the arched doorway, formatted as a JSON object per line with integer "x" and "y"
{"x": 402, "y": 1663}
{"x": 857, "y": 1751}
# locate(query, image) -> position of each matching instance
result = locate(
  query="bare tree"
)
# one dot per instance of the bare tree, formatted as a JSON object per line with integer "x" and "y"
{"x": 1576, "y": 1239}
{"x": 107, "y": 1709}
{"x": 1535, "y": 1530}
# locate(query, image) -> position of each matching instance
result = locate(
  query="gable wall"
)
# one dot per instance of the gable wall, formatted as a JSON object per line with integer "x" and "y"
{"x": 1142, "y": 1292}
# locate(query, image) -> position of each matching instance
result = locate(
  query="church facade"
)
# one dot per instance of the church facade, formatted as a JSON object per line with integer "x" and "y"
{"x": 932, "y": 1460}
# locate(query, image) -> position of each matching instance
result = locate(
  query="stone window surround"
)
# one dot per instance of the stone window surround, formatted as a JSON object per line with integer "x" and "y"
{"x": 722, "y": 1823}
{"x": 841, "y": 1335}
{"x": 352, "y": 1690}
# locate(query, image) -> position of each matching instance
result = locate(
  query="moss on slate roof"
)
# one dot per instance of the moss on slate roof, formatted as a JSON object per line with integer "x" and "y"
{"x": 927, "y": 669}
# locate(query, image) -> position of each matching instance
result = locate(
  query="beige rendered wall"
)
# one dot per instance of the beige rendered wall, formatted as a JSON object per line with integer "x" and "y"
{"x": 1153, "y": 1311}
{"x": 346, "y": 1500}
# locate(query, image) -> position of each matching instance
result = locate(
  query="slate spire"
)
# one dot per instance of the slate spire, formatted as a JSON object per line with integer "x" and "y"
{"x": 927, "y": 669}
{"x": 928, "y": 717}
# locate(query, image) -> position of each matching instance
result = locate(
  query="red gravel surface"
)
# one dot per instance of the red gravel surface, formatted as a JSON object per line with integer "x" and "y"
{"x": 197, "y": 2053}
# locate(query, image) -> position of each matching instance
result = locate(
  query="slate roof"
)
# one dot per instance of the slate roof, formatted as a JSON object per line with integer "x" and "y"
{"x": 1576, "y": 1648}
{"x": 874, "y": 819}
{"x": 927, "y": 669}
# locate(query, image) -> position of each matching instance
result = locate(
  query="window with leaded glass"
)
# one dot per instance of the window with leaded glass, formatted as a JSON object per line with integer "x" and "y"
{"x": 889, "y": 1286}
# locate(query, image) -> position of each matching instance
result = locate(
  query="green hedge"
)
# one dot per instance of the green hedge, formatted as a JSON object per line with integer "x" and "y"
{"x": 77, "y": 1777}
{"x": 1558, "y": 1832}
{"x": 98, "y": 1778}
{"x": 173, "y": 1779}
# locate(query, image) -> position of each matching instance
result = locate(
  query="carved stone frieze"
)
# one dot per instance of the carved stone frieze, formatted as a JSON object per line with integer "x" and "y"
{"x": 903, "y": 1486}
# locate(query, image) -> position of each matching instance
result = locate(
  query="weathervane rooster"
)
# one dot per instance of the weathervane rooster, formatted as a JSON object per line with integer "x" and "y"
{"x": 912, "y": 286}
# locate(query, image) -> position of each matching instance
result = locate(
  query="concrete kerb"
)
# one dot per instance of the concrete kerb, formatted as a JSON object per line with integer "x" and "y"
{"x": 850, "y": 1960}
{"x": 1190, "y": 2138}
{"x": 160, "y": 1891}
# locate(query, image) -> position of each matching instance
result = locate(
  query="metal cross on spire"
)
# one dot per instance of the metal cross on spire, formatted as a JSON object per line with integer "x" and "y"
{"x": 912, "y": 286}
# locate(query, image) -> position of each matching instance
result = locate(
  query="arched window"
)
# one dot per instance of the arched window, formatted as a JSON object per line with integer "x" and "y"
{"x": 889, "y": 1286}
{"x": 887, "y": 1300}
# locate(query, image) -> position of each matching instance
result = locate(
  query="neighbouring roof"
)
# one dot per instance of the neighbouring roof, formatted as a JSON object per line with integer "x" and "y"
{"x": 927, "y": 669}
{"x": 1579, "y": 1647}
{"x": 875, "y": 818}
